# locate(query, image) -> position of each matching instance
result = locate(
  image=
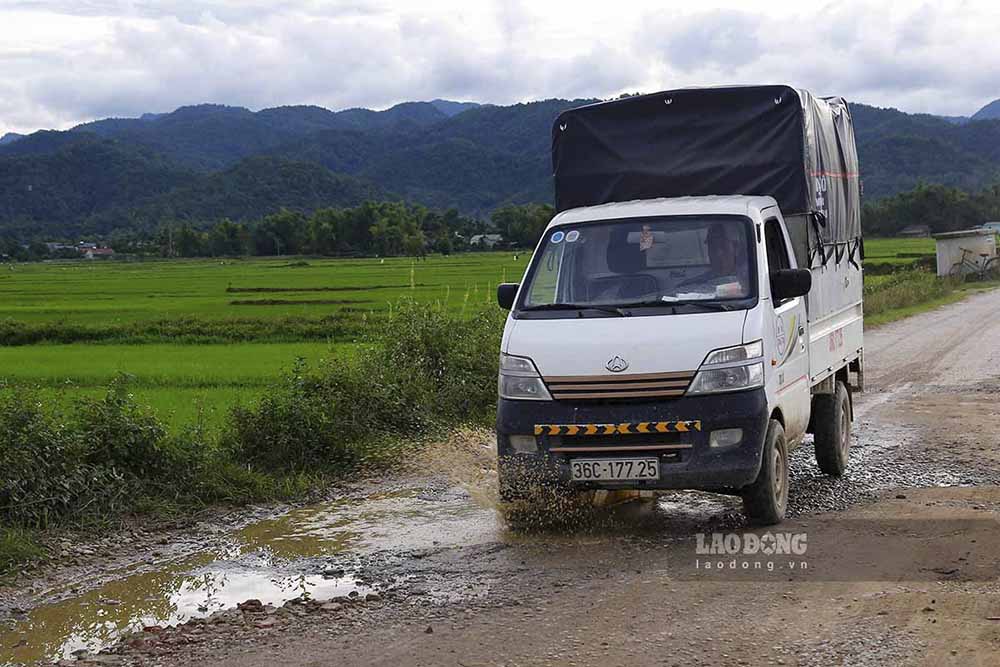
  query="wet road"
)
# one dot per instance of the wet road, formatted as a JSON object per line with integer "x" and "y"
{"x": 449, "y": 580}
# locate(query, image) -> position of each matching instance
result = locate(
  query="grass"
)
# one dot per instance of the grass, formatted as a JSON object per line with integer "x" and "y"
{"x": 891, "y": 248}
{"x": 17, "y": 545}
{"x": 949, "y": 292}
{"x": 181, "y": 383}
{"x": 103, "y": 294}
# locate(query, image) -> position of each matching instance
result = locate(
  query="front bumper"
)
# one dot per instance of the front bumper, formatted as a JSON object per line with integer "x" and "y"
{"x": 697, "y": 467}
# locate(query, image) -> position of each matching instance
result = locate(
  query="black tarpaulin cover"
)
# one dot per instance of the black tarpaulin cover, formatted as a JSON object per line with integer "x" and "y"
{"x": 752, "y": 140}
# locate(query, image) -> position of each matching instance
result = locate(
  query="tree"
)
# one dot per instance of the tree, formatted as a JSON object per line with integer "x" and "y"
{"x": 522, "y": 225}
{"x": 280, "y": 233}
{"x": 228, "y": 239}
{"x": 189, "y": 243}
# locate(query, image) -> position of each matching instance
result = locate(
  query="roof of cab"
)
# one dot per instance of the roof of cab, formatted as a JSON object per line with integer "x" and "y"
{"x": 644, "y": 208}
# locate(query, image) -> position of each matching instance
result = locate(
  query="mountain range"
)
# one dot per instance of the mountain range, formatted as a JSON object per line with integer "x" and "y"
{"x": 207, "y": 162}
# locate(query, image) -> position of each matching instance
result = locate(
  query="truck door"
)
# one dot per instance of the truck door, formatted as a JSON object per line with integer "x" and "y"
{"x": 789, "y": 381}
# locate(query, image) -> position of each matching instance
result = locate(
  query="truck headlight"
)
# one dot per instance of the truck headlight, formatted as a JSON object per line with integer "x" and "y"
{"x": 727, "y": 355}
{"x": 723, "y": 371}
{"x": 519, "y": 380}
{"x": 717, "y": 380}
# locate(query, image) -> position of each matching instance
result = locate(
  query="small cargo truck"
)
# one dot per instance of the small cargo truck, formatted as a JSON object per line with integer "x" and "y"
{"x": 694, "y": 309}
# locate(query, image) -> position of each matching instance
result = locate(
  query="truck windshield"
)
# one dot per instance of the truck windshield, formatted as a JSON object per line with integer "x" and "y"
{"x": 701, "y": 262}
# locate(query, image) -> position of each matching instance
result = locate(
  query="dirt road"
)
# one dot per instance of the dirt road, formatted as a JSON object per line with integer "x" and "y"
{"x": 898, "y": 564}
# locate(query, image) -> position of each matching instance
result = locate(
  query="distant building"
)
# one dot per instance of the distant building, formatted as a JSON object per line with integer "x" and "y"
{"x": 98, "y": 253}
{"x": 915, "y": 231}
{"x": 486, "y": 240}
{"x": 992, "y": 226}
{"x": 970, "y": 245}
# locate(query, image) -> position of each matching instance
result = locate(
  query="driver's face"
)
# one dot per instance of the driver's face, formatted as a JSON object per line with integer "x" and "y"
{"x": 722, "y": 254}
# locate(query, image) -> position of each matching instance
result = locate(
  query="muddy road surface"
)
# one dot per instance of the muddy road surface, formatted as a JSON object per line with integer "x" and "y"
{"x": 896, "y": 564}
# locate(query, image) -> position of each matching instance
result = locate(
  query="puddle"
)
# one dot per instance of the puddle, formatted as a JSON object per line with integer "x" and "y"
{"x": 406, "y": 519}
{"x": 279, "y": 559}
{"x": 190, "y": 588}
{"x": 261, "y": 561}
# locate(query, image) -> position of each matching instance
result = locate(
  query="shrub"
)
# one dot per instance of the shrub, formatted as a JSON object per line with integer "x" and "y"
{"x": 120, "y": 433}
{"x": 424, "y": 371}
{"x": 904, "y": 289}
{"x": 44, "y": 472}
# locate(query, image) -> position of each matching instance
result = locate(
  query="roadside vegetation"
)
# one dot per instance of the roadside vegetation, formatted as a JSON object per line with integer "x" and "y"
{"x": 98, "y": 460}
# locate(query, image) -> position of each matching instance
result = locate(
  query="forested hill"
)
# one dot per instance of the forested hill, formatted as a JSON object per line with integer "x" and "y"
{"x": 206, "y": 162}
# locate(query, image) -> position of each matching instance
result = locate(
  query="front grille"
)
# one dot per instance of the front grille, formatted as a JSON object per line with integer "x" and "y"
{"x": 637, "y": 385}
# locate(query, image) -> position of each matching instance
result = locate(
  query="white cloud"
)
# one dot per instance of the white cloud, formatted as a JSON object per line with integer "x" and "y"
{"x": 66, "y": 61}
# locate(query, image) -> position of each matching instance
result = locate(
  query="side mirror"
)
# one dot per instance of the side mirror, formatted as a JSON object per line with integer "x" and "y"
{"x": 790, "y": 283}
{"x": 506, "y": 293}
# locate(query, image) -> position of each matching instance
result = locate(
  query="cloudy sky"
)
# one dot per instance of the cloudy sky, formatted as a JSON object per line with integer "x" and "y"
{"x": 66, "y": 61}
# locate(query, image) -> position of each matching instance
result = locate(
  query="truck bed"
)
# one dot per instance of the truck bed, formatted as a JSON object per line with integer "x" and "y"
{"x": 834, "y": 305}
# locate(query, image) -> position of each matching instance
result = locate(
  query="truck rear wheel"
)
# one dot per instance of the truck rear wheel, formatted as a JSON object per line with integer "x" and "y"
{"x": 766, "y": 499}
{"x": 832, "y": 430}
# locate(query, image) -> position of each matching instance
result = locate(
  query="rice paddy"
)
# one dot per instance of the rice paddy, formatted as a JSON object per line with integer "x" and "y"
{"x": 197, "y": 336}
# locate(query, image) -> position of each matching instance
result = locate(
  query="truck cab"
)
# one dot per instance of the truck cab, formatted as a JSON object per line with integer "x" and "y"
{"x": 667, "y": 343}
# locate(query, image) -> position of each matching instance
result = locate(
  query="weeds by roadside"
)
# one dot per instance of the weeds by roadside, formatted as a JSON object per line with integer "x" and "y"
{"x": 904, "y": 289}
{"x": 431, "y": 372}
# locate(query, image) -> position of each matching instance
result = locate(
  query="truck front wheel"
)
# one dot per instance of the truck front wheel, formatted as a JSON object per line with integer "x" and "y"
{"x": 766, "y": 499}
{"x": 832, "y": 430}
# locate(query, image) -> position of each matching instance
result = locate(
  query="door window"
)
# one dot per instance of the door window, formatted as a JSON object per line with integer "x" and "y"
{"x": 777, "y": 251}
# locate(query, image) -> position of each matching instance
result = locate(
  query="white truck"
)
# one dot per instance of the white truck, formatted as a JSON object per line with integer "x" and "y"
{"x": 694, "y": 309}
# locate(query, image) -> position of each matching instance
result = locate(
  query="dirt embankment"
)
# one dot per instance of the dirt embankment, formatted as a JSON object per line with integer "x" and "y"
{"x": 901, "y": 563}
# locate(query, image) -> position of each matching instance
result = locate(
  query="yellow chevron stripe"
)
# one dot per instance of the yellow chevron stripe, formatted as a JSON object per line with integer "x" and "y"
{"x": 624, "y": 428}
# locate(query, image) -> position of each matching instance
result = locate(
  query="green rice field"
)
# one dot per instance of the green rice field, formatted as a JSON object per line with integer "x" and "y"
{"x": 897, "y": 251}
{"x": 181, "y": 380}
{"x": 157, "y": 312}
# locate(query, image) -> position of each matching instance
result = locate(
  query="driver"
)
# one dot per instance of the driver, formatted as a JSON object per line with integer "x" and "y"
{"x": 724, "y": 252}
{"x": 727, "y": 261}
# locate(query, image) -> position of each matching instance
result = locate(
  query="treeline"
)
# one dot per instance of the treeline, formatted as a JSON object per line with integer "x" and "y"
{"x": 374, "y": 228}
{"x": 941, "y": 208}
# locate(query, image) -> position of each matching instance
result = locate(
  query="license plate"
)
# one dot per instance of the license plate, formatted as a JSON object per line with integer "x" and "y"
{"x": 587, "y": 470}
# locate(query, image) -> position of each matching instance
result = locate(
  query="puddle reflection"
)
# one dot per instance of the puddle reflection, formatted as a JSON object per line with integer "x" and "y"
{"x": 259, "y": 561}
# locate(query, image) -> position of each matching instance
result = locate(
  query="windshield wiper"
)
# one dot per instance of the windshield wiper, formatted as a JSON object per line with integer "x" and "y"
{"x": 660, "y": 303}
{"x": 614, "y": 310}
{"x": 707, "y": 305}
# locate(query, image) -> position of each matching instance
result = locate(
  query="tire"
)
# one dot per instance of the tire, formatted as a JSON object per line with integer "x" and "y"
{"x": 991, "y": 268}
{"x": 832, "y": 430}
{"x": 765, "y": 501}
